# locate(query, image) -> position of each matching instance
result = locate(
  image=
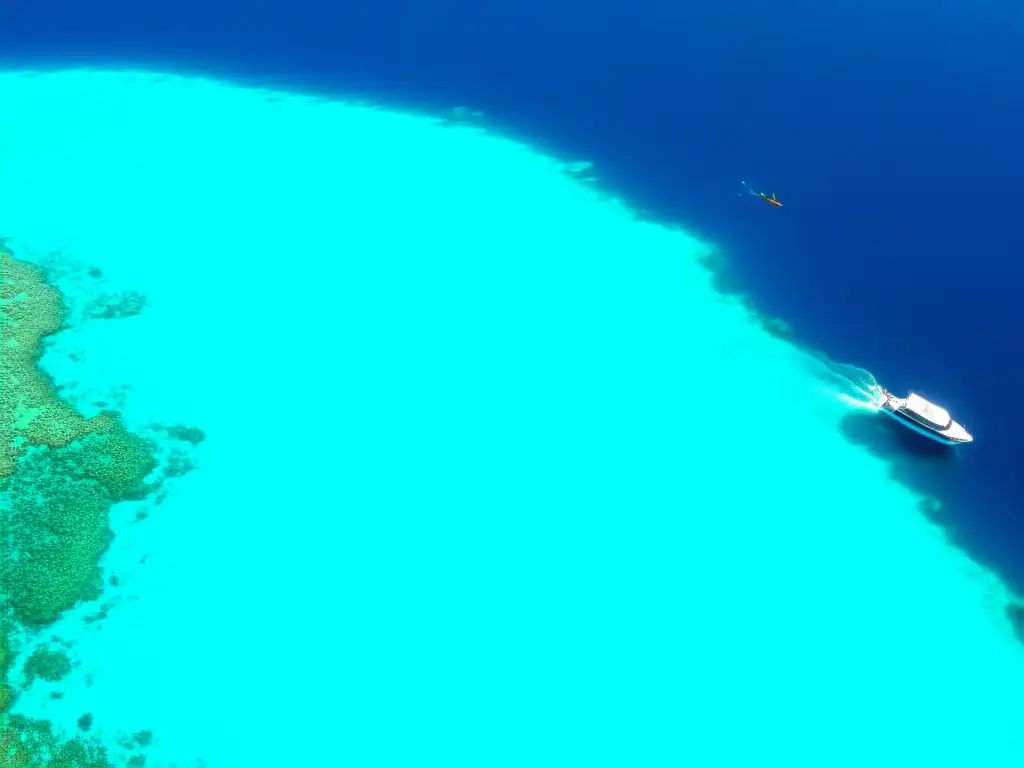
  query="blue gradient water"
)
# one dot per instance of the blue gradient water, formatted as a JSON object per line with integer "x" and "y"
{"x": 515, "y": 524}
{"x": 890, "y": 131}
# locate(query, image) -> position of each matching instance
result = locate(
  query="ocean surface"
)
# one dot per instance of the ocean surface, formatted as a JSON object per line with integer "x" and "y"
{"x": 500, "y": 466}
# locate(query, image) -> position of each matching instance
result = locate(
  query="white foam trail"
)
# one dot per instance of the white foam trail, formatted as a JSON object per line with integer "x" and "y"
{"x": 854, "y": 402}
{"x": 852, "y": 386}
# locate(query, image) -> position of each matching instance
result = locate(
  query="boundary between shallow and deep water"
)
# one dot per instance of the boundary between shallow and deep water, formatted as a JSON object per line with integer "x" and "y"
{"x": 713, "y": 260}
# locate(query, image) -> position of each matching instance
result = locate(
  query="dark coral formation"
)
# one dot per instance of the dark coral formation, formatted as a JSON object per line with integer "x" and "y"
{"x": 1015, "y": 613}
{"x": 56, "y": 524}
{"x": 6, "y": 695}
{"x": 46, "y": 664}
{"x": 60, "y": 473}
{"x": 726, "y": 283}
{"x": 110, "y": 306}
{"x": 143, "y": 738}
{"x": 185, "y": 434}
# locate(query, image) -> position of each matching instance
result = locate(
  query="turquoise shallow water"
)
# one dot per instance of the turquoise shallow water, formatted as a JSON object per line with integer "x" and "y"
{"x": 492, "y": 475}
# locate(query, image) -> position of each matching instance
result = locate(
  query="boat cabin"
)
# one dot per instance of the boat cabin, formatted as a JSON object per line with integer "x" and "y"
{"x": 926, "y": 414}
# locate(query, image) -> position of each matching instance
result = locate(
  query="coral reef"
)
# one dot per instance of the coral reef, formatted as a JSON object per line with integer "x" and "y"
{"x": 5, "y": 665}
{"x": 46, "y": 664}
{"x": 30, "y": 412}
{"x": 60, "y": 474}
{"x": 27, "y": 742}
{"x": 56, "y": 522}
{"x": 59, "y": 471}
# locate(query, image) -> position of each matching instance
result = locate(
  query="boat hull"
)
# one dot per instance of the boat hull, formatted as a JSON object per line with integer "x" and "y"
{"x": 936, "y": 436}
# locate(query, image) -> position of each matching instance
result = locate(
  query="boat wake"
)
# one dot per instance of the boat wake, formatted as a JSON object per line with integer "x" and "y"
{"x": 856, "y": 403}
{"x": 855, "y": 387}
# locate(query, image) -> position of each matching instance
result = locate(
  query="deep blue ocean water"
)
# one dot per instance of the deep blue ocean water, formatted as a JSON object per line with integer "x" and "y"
{"x": 890, "y": 132}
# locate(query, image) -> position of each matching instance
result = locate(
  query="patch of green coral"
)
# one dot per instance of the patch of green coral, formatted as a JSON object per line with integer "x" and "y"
{"x": 46, "y": 664}
{"x": 30, "y": 411}
{"x": 30, "y": 743}
{"x": 56, "y": 524}
{"x": 5, "y": 664}
{"x": 59, "y": 473}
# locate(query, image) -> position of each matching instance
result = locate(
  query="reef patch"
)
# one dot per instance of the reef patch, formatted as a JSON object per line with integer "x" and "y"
{"x": 60, "y": 475}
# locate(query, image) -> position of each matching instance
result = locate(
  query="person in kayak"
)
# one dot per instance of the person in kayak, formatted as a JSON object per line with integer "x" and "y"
{"x": 770, "y": 200}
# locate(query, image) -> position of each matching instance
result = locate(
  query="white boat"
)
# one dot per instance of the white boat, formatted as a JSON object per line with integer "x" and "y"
{"x": 923, "y": 417}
